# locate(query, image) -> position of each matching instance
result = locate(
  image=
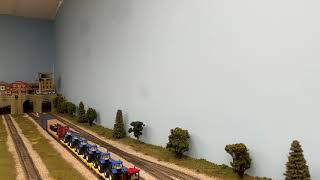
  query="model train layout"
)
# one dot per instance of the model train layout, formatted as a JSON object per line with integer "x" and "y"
{"x": 93, "y": 155}
{"x": 28, "y": 165}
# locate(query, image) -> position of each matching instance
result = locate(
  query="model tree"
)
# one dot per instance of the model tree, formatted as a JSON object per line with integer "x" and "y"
{"x": 71, "y": 108}
{"x": 60, "y": 106}
{"x": 64, "y": 107}
{"x": 240, "y": 156}
{"x": 58, "y": 99}
{"x": 57, "y": 102}
{"x": 137, "y": 128}
{"x": 91, "y": 115}
{"x": 178, "y": 141}
{"x": 82, "y": 113}
{"x": 118, "y": 129}
{"x": 297, "y": 167}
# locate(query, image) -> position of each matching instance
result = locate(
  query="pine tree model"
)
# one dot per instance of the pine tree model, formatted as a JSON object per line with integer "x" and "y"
{"x": 297, "y": 168}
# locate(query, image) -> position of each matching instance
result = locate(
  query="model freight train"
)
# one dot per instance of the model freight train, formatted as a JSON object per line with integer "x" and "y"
{"x": 94, "y": 156}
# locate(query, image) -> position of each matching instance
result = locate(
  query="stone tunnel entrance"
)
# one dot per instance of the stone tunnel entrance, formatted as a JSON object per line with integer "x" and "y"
{"x": 28, "y": 106}
{"x": 5, "y": 110}
{"x": 46, "y": 106}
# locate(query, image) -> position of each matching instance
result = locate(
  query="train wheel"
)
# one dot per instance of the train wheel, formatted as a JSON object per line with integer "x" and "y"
{"x": 114, "y": 177}
{"x": 125, "y": 176}
{"x": 106, "y": 174}
{"x": 88, "y": 158}
{"x": 100, "y": 168}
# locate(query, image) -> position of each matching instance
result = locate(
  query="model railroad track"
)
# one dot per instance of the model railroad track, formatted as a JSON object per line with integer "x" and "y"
{"x": 37, "y": 120}
{"x": 31, "y": 172}
{"x": 156, "y": 170}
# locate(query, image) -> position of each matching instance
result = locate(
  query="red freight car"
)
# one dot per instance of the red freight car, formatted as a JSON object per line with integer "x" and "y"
{"x": 57, "y": 129}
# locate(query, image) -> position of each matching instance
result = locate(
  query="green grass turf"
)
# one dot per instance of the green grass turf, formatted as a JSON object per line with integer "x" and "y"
{"x": 7, "y": 164}
{"x": 58, "y": 168}
{"x": 162, "y": 154}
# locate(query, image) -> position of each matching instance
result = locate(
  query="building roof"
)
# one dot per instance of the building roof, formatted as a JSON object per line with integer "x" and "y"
{"x": 4, "y": 83}
{"x": 20, "y": 82}
{"x": 45, "y": 76}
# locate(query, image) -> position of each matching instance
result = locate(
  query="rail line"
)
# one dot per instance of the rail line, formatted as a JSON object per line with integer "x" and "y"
{"x": 36, "y": 119}
{"x": 156, "y": 170}
{"x": 31, "y": 171}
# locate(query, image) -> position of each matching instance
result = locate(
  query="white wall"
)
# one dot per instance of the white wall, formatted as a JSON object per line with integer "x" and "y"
{"x": 228, "y": 71}
{"x": 26, "y": 48}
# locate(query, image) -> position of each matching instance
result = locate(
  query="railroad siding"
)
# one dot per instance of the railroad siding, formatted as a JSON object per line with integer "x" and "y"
{"x": 50, "y": 119}
{"x": 57, "y": 167}
{"x": 62, "y": 150}
{"x": 7, "y": 163}
{"x": 156, "y": 170}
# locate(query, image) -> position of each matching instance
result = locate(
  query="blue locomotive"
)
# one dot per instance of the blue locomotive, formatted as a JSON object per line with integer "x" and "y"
{"x": 67, "y": 137}
{"x": 75, "y": 140}
{"x": 103, "y": 162}
{"x": 82, "y": 146}
{"x": 117, "y": 171}
{"x": 91, "y": 152}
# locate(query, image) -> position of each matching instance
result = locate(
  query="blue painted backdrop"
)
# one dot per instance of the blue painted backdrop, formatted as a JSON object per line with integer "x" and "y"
{"x": 26, "y": 48}
{"x": 229, "y": 71}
